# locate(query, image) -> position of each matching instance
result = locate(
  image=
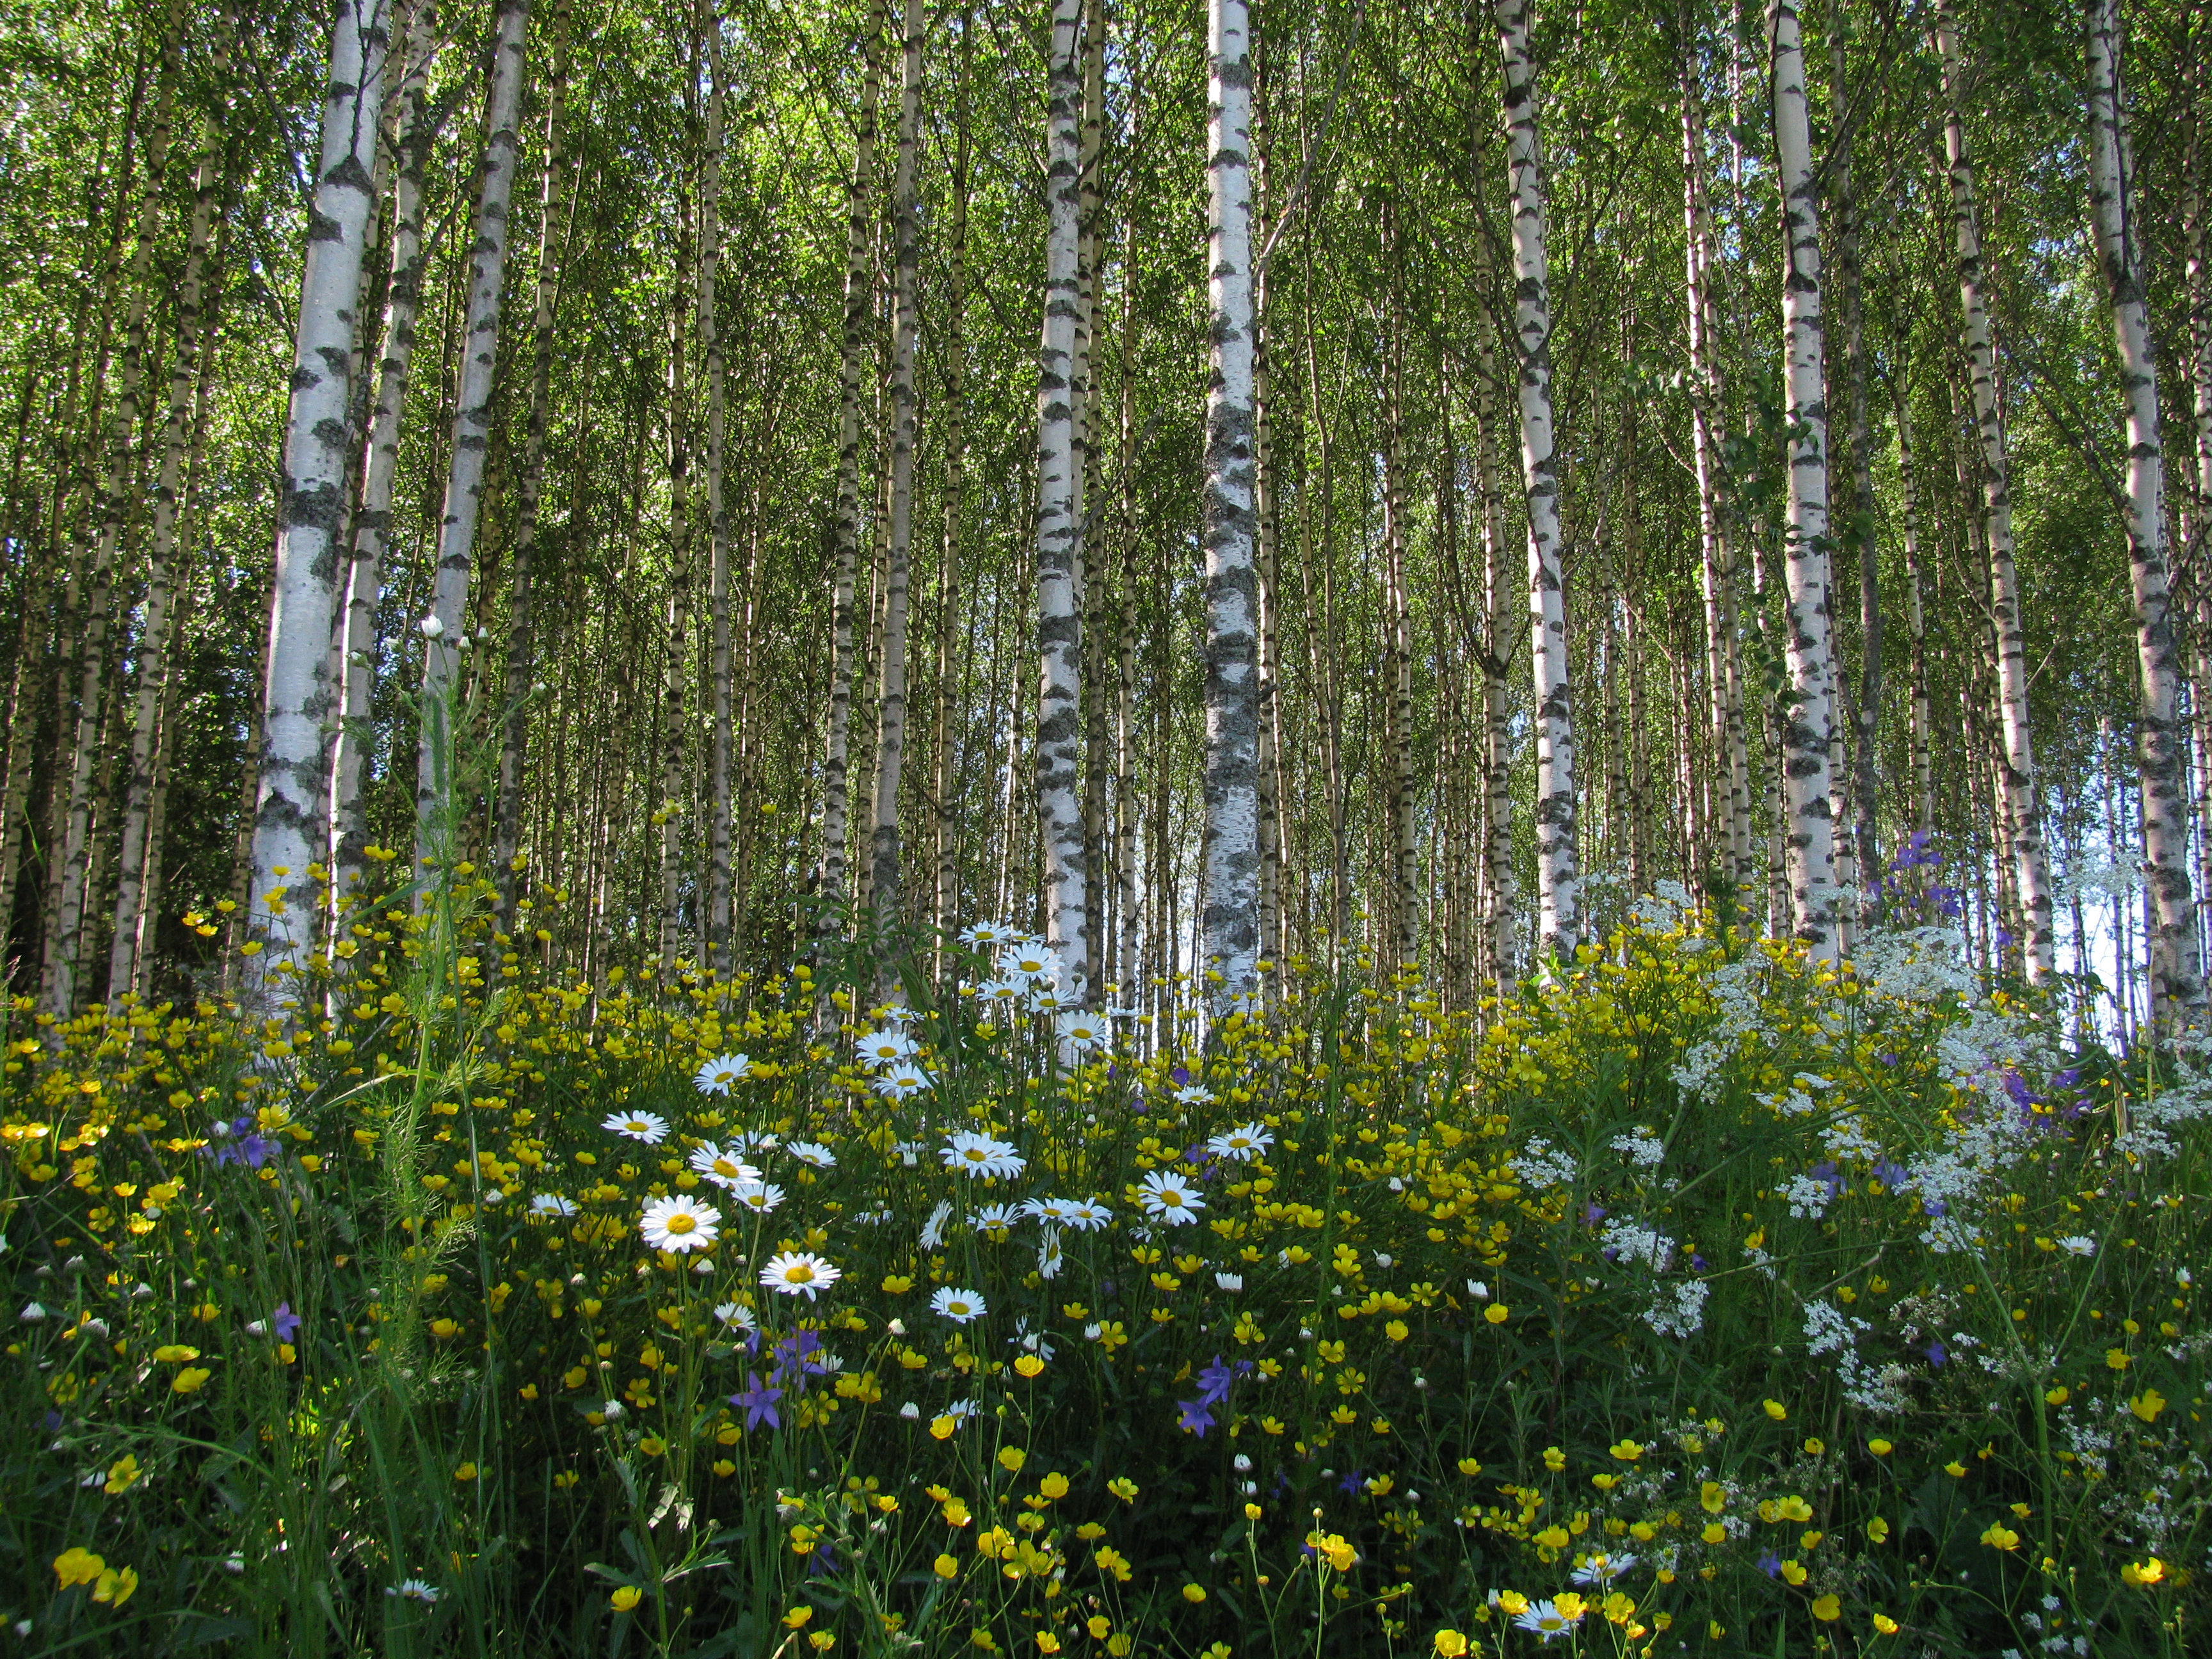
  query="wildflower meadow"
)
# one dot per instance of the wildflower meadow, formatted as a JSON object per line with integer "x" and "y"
{"x": 1705, "y": 1300}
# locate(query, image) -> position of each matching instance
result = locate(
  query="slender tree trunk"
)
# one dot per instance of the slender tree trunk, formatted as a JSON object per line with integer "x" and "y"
{"x": 1498, "y": 872}
{"x": 299, "y": 700}
{"x": 2023, "y": 813}
{"x": 1125, "y": 677}
{"x": 1232, "y": 711}
{"x": 1807, "y": 726}
{"x": 714, "y": 366}
{"x": 521, "y": 645}
{"x": 412, "y": 138}
{"x": 1398, "y": 674}
{"x": 1919, "y": 743}
{"x": 946, "y": 748}
{"x": 1867, "y": 716}
{"x": 472, "y": 413}
{"x": 1558, "y": 871}
{"x": 154, "y": 646}
{"x": 846, "y": 549}
{"x": 2177, "y": 976}
{"x": 1060, "y": 523}
{"x": 669, "y": 816}
{"x": 81, "y": 737}
{"x": 906, "y": 259}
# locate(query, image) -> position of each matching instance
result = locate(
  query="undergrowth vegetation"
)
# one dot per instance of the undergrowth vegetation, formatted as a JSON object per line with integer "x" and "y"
{"x": 1702, "y": 1300}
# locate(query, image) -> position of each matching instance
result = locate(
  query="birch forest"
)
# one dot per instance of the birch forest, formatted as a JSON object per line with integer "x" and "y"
{"x": 1326, "y": 483}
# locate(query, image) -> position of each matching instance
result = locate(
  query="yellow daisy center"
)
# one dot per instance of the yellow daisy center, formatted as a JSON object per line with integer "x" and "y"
{"x": 798, "y": 1273}
{"x": 680, "y": 1223}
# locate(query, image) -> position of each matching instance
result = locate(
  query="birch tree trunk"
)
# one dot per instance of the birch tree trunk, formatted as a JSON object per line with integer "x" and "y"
{"x": 1398, "y": 674}
{"x": 153, "y": 645}
{"x": 521, "y": 643}
{"x": 471, "y": 439}
{"x": 1058, "y": 523}
{"x": 715, "y": 366}
{"x": 81, "y": 735}
{"x": 835, "y": 786}
{"x": 1232, "y": 702}
{"x": 1716, "y": 563}
{"x": 2177, "y": 980}
{"x": 906, "y": 259}
{"x": 1499, "y": 875}
{"x": 412, "y": 138}
{"x": 1558, "y": 869}
{"x": 1918, "y": 739}
{"x": 2023, "y": 816}
{"x": 299, "y": 700}
{"x": 670, "y": 817}
{"x": 1807, "y": 726}
{"x": 1865, "y": 793}
{"x": 947, "y": 746}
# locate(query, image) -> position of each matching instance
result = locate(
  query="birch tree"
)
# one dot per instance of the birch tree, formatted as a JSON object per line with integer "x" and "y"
{"x": 413, "y": 134}
{"x": 2023, "y": 814}
{"x": 1557, "y": 868}
{"x": 2177, "y": 980}
{"x": 298, "y": 700}
{"x": 1059, "y": 522}
{"x": 714, "y": 366}
{"x": 1232, "y": 612}
{"x": 1807, "y": 726}
{"x": 472, "y": 412}
{"x": 906, "y": 260}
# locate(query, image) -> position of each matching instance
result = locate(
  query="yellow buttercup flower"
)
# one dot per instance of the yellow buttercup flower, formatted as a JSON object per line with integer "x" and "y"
{"x": 1450, "y": 1644}
{"x": 77, "y": 1565}
{"x": 116, "y": 1586}
{"x": 626, "y": 1598}
{"x": 2142, "y": 1574}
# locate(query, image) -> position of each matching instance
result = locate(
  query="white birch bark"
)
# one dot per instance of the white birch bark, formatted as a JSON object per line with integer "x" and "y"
{"x": 371, "y": 524}
{"x": 1557, "y": 868}
{"x": 1232, "y": 614}
{"x": 858, "y": 292}
{"x": 1808, "y": 726}
{"x": 947, "y": 766}
{"x": 2177, "y": 982}
{"x": 906, "y": 259}
{"x": 1500, "y": 879}
{"x": 2024, "y": 818}
{"x": 1918, "y": 736}
{"x": 530, "y": 493}
{"x": 298, "y": 699}
{"x": 155, "y": 640}
{"x": 714, "y": 365}
{"x": 1059, "y": 524}
{"x": 82, "y": 732}
{"x": 472, "y": 438}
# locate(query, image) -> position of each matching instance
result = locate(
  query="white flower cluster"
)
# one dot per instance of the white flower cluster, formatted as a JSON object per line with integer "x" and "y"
{"x": 1631, "y": 1241}
{"x": 1542, "y": 1164}
{"x": 2186, "y": 1101}
{"x": 1849, "y": 1142}
{"x": 1680, "y": 1310}
{"x": 1808, "y": 1197}
{"x": 1922, "y": 965}
{"x": 1870, "y": 1387}
{"x": 1734, "y": 987}
{"x": 1640, "y": 1146}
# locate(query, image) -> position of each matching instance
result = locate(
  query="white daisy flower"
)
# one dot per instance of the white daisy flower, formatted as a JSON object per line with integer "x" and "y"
{"x": 1230, "y": 1282}
{"x": 1194, "y": 1094}
{"x": 988, "y": 935}
{"x": 961, "y": 1307}
{"x": 1030, "y": 964}
{"x": 886, "y": 1047}
{"x": 415, "y": 1589}
{"x": 1049, "y": 1256}
{"x": 724, "y": 1169}
{"x": 638, "y": 1126}
{"x": 1602, "y": 1569}
{"x": 736, "y": 1317}
{"x": 813, "y": 1153}
{"x": 757, "y": 1196}
{"x": 1045, "y": 1000}
{"x": 1001, "y": 990}
{"x": 1088, "y": 1215}
{"x": 902, "y": 1081}
{"x": 1547, "y": 1621}
{"x": 980, "y": 1156}
{"x": 552, "y": 1205}
{"x": 932, "y": 1230}
{"x": 799, "y": 1273}
{"x": 1169, "y": 1198}
{"x": 679, "y": 1224}
{"x": 1082, "y": 1032}
{"x": 1053, "y": 1212}
{"x": 716, "y": 1076}
{"x": 996, "y": 1218}
{"x": 1244, "y": 1143}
